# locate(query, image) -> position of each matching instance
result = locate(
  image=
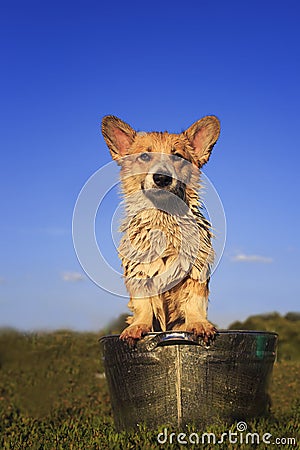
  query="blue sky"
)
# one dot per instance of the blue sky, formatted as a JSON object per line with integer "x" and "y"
{"x": 159, "y": 67}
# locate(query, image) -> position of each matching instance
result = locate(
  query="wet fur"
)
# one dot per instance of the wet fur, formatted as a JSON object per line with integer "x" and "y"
{"x": 152, "y": 256}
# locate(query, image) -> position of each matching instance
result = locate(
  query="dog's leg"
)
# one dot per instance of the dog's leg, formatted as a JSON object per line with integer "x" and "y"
{"x": 195, "y": 296}
{"x": 141, "y": 322}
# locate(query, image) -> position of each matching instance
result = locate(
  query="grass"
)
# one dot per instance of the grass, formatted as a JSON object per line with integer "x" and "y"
{"x": 53, "y": 396}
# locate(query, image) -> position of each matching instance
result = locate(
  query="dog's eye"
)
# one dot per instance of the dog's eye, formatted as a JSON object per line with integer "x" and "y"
{"x": 145, "y": 157}
{"x": 177, "y": 157}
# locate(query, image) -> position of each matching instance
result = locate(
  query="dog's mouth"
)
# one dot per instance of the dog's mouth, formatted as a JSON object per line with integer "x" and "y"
{"x": 165, "y": 191}
{"x": 166, "y": 195}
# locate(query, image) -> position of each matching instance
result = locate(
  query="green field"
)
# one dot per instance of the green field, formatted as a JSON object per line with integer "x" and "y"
{"x": 53, "y": 395}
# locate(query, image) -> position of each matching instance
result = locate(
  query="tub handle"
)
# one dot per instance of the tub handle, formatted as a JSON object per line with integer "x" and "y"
{"x": 173, "y": 338}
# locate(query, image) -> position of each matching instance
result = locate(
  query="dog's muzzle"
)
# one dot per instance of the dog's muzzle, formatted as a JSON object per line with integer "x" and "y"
{"x": 165, "y": 192}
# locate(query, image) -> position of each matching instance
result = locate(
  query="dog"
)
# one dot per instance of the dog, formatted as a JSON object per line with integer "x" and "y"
{"x": 165, "y": 249}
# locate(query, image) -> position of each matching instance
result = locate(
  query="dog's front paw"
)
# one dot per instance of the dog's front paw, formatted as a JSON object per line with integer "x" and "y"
{"x": 133, "y": 333}
{"x": 204, "y": 329}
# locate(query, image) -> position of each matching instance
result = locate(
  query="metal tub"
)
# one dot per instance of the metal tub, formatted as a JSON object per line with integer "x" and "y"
{"x": 171, "y": 379}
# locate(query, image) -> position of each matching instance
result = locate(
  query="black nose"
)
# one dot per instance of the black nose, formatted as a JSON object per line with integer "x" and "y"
{"x": 162, "y": 179}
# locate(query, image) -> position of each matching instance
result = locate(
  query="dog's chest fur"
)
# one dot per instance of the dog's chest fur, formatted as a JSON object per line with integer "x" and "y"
{"x": 158, "y": 250}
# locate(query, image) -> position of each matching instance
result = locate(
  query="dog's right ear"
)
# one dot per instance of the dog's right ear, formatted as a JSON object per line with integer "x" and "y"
{"x": 118, "y": 136}
{"x": 203, "y": 135}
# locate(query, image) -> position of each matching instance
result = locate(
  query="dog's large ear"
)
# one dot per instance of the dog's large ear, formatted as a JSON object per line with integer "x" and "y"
{"x": 118, "y": 136}
{"x": 203, "y": 135}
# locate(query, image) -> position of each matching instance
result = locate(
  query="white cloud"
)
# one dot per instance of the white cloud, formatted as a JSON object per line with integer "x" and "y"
{"x": 72, "y": 277}
{"x": 241, "y": 257}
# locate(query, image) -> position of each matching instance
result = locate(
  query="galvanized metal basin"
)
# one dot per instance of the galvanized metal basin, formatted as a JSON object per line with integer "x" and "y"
{"x": 171, "y": 379}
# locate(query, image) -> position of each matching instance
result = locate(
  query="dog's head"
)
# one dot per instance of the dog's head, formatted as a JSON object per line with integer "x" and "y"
{"x": 161, "y": 165}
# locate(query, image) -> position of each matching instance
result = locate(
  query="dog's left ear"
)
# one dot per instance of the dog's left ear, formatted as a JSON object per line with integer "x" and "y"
{"x": 203, "y": 135}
